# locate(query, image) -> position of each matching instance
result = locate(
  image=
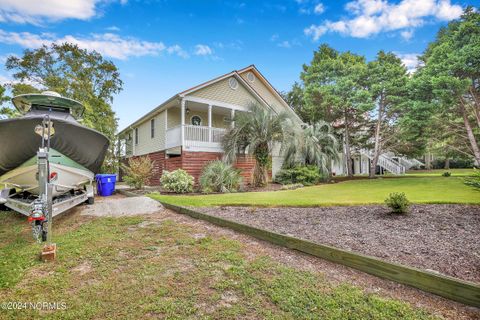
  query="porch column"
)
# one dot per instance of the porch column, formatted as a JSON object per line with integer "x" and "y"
{"x": 182, "y": 121}
{"x": 209, "y": 123}
{"x": 232, "y": 115}
{"x": 133, "y": 142}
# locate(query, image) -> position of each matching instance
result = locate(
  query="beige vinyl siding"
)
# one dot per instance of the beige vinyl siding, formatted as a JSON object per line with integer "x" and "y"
{"x": 264, "y": 92}
{"x": 217, "y": 119}
{"x": 147, "y": 144}
{"x": 129, "y": 142}
{"x": 221, "y": 91}
{"x": 173, "y": 117}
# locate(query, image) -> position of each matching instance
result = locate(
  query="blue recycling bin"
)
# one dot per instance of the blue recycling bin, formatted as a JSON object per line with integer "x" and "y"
{"x": 105, "y": 184}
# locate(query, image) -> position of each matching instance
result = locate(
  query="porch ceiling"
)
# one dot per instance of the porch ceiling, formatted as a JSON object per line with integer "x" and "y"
{"x": 202, "y": 107}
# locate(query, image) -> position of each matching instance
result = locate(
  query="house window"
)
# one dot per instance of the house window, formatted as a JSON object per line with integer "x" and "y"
{"x": 250, "y": 77}
{"x": 233, "y": 83}
{"x": 196, "y": 121}
{"x": 152, "y": 128}
{"x": 136, "y": 135}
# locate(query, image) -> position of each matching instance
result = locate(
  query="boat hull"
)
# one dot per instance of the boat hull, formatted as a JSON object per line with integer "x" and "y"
{"x": 66, "y": 179}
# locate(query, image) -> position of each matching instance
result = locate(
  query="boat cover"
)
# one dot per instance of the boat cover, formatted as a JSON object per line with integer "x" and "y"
{"x": 19, "y": 142}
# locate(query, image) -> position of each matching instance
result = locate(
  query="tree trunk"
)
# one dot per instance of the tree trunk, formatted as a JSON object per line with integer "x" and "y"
{"x": 377, "y": 148}
{"x": 348, "y": 153}
{"x": 476, "y": 105}
{"x": 259, "y": 175}
{"x": 471, "y": 136}
{"x": 447, "y": 164}
{"x": 428, "y": 161}
{"x": 260, "y": 171}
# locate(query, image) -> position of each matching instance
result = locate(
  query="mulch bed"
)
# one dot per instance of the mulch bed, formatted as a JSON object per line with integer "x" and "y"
{"x": 441, "y": 238}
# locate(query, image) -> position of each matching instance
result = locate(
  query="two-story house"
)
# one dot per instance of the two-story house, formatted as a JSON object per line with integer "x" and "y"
{"x": 186, "y": 130}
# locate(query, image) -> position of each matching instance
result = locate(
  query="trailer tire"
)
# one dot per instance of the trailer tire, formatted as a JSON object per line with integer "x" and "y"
{"x": 90, "y": 200}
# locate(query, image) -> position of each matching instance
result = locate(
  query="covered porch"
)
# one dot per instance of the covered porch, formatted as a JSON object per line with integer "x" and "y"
{"x": 198, "y": 125}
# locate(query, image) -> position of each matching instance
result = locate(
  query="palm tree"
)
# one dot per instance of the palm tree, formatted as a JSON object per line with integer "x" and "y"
{"x": 255, "y": 132}
{"x": 313, "y": 144}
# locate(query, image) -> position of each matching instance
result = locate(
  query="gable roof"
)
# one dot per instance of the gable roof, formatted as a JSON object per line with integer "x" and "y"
{"x": 262, "y": 78}
{"x": 234, "y": 73}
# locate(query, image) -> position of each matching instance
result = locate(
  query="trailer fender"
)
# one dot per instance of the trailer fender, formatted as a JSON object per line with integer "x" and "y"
{"x": 4, "y": 194}
{"x": 89, "y": 189}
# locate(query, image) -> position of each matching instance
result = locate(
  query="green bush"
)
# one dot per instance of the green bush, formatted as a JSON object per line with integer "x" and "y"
{"x": 453, "y": 164}
{"x": 398, "y": 202}
{"x": 178, "y": 181}
{"x": 138, "y": 172}
{"x": 446, "y": 174}
{"x": 306, "y": 175}
{"x": 292, "y": 186}
{"x": 474, "y": 180}
{"x": 218, "y": 176}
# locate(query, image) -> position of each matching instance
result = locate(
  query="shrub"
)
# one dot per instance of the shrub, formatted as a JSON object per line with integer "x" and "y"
{"x": 306, "y": 175}
{"x": 453, "y": 163}
{"x": 218, "y": 176}
{"x": 398, "y": 202}
{"x": 446, "y": 174}
{"x": 292, "y": 186}
{"x": 178, "y": 181}
{"x": 474, "y": 180}
{"x": 138, "y": 171}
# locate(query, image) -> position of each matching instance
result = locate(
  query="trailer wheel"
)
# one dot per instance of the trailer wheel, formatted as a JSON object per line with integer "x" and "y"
{"x": 90, "y": 200}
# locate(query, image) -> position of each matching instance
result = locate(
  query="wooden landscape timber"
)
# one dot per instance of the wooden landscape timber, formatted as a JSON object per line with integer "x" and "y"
{"x": 448, "y": 287}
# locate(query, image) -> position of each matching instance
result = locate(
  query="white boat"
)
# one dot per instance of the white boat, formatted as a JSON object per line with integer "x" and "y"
{"x": 65, "y": 175}
{"x": 75, "y": 152}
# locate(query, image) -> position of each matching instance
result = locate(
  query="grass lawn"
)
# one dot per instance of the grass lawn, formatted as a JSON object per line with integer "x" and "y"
{"x": 142, "y": 267}
{"x": 438, "y": 172}
{"x": 418, "y": 190}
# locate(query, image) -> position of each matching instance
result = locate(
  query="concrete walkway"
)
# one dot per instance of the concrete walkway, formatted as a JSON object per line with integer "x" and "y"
{"x": 119, "y": 206}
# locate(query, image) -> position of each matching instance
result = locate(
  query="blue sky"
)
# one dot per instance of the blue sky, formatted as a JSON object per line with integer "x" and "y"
{"x": 163, "y": 47}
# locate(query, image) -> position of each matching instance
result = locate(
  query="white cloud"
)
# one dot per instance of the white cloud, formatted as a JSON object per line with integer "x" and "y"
{"x": 445, "y": 11}
{"x": 315, "y": 31}
{"x": 310, "y": 6}
{"x": 319, "y": 8}
{"x": 284, "y": 44}
{"x": 176, "y": 49}
{"x": 5, "y": 80}
{"x": 203, "y": 50}
{"x": 113, "y": 28}
{"x": 409, "y": 60}
{"x": 370, "y": 17}
{"x": 26, "y": 11}
{"x": 108, "y": 44}
{"x": 407, "y": 34}
{"x": 233, "y": 45}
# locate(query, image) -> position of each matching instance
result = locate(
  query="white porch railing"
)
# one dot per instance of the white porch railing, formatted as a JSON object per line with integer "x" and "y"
{"x": 386, "y": 162}
{"x": 198, "y": 138}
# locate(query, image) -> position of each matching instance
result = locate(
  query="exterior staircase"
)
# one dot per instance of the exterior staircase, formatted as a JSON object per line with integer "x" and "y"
{"x": 410, "y": 163}
{"x": 386, "y": 162}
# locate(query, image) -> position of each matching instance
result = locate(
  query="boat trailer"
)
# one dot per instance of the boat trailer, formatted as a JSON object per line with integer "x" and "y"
{"x": 41, "y": 209}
